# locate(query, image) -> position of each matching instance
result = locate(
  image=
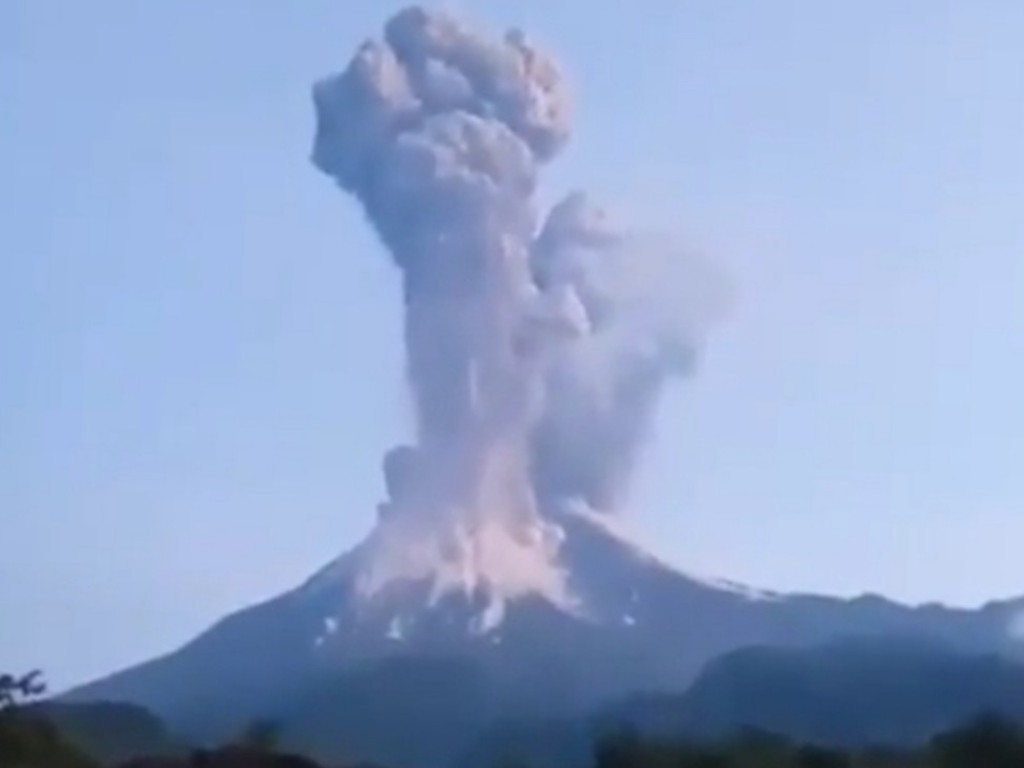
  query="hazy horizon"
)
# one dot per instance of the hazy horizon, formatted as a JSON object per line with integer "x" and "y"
{"x": 204, "y": 357}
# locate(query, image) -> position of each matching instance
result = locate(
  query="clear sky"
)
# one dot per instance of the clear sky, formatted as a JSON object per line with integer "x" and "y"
{"x": 199, "y": 337}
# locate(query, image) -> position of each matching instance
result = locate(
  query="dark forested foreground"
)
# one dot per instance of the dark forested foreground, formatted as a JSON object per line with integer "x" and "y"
{"x": 731, "y": 720}
{"x": 29, "y": 739}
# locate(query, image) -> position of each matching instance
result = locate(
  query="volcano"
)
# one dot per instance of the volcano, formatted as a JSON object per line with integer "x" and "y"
{"x": 610, "y": 621}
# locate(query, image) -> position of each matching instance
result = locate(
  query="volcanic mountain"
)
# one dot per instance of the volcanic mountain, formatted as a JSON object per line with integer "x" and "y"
{"x": 611, "y": 621}
{"x": 496, "y": 581}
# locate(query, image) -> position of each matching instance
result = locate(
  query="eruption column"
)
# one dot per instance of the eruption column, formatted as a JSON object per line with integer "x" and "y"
{"x": 439, "y": 133}
{"x": 536, "y": 354}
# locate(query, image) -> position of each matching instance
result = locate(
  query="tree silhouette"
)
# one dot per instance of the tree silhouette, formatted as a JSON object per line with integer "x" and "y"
{"x": 261, "y": 735}
{"x": 15, "y": 691}
{"x": 988, "y": 741}
{"x": 27, "y": 739}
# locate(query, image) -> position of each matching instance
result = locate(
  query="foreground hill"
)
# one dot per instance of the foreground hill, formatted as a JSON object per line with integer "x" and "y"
{"x": 847, "y": 694}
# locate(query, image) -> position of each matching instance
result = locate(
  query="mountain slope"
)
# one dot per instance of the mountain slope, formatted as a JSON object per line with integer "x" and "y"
{"x": 624, "y": 623}
{"x": 435, "y": 704}
{"x": 853, "y": 692}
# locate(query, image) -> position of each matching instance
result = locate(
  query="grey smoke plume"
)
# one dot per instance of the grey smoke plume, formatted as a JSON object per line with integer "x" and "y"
{"x": 650, "y": 304}
{"x": 535, "y": 358}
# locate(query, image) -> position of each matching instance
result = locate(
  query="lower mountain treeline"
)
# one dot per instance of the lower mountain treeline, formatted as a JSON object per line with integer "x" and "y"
{"x": 854, "y": 702}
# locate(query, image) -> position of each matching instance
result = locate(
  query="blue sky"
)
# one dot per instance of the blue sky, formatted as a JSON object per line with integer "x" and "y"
{"x": 200, "y": 340}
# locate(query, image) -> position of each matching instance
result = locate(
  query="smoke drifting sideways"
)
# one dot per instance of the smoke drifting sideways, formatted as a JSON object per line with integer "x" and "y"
{"x": 649, "y": 305}
{"x": 536, "y": 350}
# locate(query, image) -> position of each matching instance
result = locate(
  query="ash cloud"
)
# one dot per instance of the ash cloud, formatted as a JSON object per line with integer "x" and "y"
{"x": 650, "y": 304}
{"x": 537, "y": 347}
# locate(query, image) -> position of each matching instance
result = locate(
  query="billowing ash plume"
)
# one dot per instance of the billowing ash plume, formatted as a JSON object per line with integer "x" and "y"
{"x": 536, "y": 351}
{"x": 649, "y": 304}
